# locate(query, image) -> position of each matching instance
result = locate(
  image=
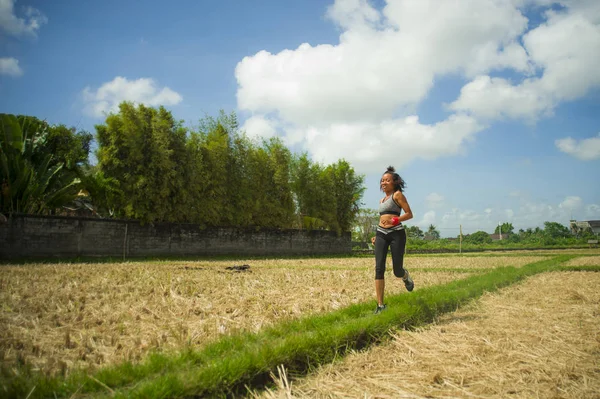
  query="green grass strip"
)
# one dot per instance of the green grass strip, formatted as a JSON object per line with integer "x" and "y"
{"x": 595, "y": 268}
{"x": 461, "y": 270}
{"x": 225, "y": 367}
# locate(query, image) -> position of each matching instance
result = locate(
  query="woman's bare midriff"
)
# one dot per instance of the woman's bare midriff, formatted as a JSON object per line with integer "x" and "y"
{"x": 386, "y": 220}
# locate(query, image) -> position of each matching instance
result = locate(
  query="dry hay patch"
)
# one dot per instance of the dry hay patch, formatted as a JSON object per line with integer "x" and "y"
{"x": 470, "y": 262}
{"x": 584, "y": 261}
{"x": 56, "y": 317}
{"x": 536, "y": 339}
{"x": 550, "y": 252}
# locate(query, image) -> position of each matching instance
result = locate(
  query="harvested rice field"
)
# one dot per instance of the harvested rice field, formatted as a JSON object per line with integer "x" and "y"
{"x": 566, "y": 251}
{"x": 584, "y": 261}
{"x": 57, "y": 317}
{"x": 536, "y": 339}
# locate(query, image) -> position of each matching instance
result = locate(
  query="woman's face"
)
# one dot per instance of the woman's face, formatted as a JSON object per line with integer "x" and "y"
{"x": 387, "y": 183}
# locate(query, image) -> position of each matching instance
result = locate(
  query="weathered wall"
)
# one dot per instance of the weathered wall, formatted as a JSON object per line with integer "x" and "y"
{"x": 54, "y": 236}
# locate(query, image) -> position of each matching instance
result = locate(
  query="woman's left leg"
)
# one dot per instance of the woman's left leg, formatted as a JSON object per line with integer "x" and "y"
{"x": 397, "y": 246}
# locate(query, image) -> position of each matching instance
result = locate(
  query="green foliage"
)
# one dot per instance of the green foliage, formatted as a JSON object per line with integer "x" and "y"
{"x": 39, "y": 165}
{"x": 587, "y": 233}
{"x": 432, "y": 233}
{"x": 346, "y": 190}
{"x": 554, "y": 236}
{"x": 507, "y": 228}
{"x": 556, "y": 230}
{"x": 479, "y": 237}
{"x": 220, "y": 174}
{"x": 364, "y": 225}
{"x": 243, "y": 183}
{"x": 414, "y": 232}
{"x": 513, "y": 239}
{"x": 311, "y": 190}
{"x": 153, "y": 169}
{"x": 331, "y": 194}
{"x": 278, "y": 208}
{"x": 69, "y": 147}
{"x": 142, "y": 149}
{"x": 102, "y": 191}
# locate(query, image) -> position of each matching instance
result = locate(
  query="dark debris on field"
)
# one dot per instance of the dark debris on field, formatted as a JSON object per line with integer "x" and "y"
{"x": 239, "y": 268}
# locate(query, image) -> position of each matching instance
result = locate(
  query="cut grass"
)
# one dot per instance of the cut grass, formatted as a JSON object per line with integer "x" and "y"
{"x": 228, "y": 366}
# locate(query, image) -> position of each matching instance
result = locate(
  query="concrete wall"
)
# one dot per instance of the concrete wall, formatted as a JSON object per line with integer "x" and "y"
{"x": 58, "y": 236}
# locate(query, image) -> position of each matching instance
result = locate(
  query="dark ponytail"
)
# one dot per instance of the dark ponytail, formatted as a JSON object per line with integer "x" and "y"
{"x": 399, "y": 183}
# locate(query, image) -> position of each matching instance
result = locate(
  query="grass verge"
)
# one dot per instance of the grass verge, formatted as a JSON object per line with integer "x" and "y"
{"x": 580, "y": 268}
{"x": 227, "y": 367}
{"x": 451, "y": 270}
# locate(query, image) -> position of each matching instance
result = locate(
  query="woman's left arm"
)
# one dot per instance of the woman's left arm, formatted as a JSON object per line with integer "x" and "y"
{"x": 401, "y": 200}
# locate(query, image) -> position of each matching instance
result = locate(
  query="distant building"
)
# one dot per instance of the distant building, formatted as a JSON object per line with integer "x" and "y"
{"x": 579, "y": 226}
{"x": 496, "y": 237}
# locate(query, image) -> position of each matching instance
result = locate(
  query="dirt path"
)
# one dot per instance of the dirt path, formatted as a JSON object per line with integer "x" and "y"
{"x": 537, "y": 339}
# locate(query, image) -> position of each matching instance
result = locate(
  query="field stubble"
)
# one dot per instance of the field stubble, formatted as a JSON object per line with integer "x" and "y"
{"x": 59, "y": 316}
{"x": 584, "y": 261}
{"x": 537, "y": 339}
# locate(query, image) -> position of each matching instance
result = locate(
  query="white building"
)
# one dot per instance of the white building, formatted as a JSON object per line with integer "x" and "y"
{"x": 585, "y": 224}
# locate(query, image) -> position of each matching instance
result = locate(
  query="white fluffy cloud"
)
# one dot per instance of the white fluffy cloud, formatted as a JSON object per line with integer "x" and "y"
{"x": 353, "y": 14}
{"x": 10, "y": 66}
{"x": 496, "y": 98}
{"x": 391, "y": 141}
{"x": 427, "y": 220}
{"x": 354, "y": 99}
{"x": 455, "y": 216}
{"x": 107, "y": 97}
{"x": 564, "y": 51}
{"x": 12, "y": 25}
{"x": 259, "y": 127}
{"x": 377, "y": 68}
{"x": 19, "y": 26}
{"x": 571, "y": 203}
{"x": 586, "y": 149}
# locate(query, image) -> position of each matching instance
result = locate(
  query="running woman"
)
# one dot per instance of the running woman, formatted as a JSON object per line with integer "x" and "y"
{"x": 391, "y": 233}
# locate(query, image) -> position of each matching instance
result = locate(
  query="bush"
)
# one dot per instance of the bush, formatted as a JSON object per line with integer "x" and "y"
{"x": 479, "y": 237}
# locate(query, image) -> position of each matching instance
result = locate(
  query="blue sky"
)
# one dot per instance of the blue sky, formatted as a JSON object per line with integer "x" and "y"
{"x": 489, "y": 109}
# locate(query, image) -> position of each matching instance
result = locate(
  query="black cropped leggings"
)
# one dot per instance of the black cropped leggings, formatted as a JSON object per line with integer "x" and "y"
{"x": 395, "y": 240}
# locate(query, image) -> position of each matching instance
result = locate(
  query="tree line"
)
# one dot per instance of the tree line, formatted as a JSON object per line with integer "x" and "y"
{"x": 553, "y": 233}
{"x": 152, "y": 168}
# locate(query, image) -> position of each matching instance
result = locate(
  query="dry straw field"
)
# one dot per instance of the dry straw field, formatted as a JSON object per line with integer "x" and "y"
{"x": 60, "y": 316}
{"x": 536, "y": 339}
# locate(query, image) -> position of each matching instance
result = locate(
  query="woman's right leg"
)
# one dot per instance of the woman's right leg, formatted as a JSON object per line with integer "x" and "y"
{"x": 381, "y": 249}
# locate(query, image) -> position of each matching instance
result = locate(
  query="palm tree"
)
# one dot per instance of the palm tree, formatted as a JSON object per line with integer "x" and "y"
{"x": 432, "y": 232}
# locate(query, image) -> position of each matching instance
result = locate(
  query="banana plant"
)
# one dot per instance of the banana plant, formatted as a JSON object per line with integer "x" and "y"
{"x": 28, "y": 186}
